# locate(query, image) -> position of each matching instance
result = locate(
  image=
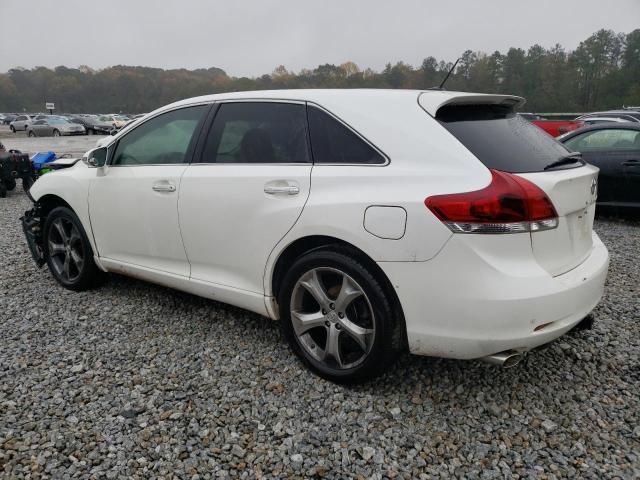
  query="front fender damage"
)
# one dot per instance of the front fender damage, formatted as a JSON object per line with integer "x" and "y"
{"x": 32, "y": 227}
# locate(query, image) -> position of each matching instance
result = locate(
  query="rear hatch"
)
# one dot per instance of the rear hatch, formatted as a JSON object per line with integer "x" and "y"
{"x": 504, "y": 141}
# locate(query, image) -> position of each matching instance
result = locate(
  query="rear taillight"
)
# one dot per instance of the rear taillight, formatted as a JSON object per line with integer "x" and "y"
{"x": 509, "y": 204}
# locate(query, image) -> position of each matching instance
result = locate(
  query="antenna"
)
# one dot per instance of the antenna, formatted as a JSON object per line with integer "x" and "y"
{"x": 447, "y": 77}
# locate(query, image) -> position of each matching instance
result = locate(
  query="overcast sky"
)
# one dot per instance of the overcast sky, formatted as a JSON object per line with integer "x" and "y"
{"x": 251, "y": 38}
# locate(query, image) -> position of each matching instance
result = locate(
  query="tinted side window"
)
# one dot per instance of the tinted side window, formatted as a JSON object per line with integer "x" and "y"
{"x": 257, "y": 132}
{"x": 332, "y": 142}
{"x": 162, "y": 140}
{"x": 609, "y": 139}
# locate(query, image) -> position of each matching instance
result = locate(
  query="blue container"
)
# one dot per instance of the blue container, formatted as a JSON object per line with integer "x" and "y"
{"x": 40, "y": 160}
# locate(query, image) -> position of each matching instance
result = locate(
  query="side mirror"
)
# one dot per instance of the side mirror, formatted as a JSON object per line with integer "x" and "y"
{"x": 97, "y": 157}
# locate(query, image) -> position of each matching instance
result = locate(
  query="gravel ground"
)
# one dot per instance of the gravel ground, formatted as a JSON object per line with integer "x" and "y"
{"x": 134, "y": 380}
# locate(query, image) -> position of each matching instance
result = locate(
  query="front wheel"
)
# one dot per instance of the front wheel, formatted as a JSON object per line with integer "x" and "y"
{"x": 68, "y": 251}
{"x": 31, "y": 133}
{"x": 56, "y": 133}
{"x": 338, "y": 318}
{"x": 13, "y": 129}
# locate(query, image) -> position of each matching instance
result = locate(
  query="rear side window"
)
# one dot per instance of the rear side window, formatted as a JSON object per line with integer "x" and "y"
{"x": 258, "y": 132}
{"x": 332, "y": 142}
{"x": 500, "y": 138}
{"x": 602, "y": 140}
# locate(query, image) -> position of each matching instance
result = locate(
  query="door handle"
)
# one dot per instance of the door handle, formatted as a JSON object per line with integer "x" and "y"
{"x": 631, "y": 163}
{"x": 275, "y": 189}
{"x": 164, "y": 187}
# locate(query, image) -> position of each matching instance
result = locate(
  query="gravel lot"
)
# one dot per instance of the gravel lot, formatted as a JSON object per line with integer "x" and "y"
{"x": 134, "y": 380}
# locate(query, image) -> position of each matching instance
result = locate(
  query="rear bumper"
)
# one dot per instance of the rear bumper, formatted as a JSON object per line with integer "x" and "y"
{"x": 475, "y": 299}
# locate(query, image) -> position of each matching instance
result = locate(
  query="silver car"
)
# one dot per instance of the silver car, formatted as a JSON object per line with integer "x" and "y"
{"x": 54, "y": 127}
{"x": 21, "y": 122}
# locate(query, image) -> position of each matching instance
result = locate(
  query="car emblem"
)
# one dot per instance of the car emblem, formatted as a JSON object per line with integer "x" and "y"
{"x": 594, "y": 186}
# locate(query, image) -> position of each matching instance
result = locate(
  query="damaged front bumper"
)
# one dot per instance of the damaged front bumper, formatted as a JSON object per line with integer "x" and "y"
{"x": 32, "y": 227}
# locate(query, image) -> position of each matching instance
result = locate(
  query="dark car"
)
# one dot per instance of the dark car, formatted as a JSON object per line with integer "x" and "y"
{"x": 615, "y": 149}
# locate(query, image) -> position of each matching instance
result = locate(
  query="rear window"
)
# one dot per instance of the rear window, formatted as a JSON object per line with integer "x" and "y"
{"x": 501, "y": 139}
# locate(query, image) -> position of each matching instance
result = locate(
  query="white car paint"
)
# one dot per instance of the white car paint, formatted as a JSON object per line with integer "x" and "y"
{"x": 219, "y": 235}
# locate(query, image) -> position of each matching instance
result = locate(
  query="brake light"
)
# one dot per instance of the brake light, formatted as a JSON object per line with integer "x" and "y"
{"x": 509, "y": 204}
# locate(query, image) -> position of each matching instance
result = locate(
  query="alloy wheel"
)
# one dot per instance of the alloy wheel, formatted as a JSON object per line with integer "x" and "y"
{"x": 332, "y": 318}
{"x": 65, "y": 249}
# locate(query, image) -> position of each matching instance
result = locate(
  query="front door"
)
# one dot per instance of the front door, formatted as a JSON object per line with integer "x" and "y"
{"x": 246, "y": 192}
{"x": 133, "y": 201}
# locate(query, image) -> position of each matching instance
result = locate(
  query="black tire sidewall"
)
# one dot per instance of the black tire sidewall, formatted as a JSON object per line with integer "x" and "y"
{"x": 87, "y": 277}
{"x": 385, "y": 322}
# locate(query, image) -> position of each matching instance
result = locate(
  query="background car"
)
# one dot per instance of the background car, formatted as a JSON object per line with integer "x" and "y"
{"x": 7, "y": 118}
{"x": 596, "y": 120}
{"x": 615, "y": 149}
{"x": 628, "y": 115}
{"x": 20, "y": 123}
{"x": 54, "y": 126}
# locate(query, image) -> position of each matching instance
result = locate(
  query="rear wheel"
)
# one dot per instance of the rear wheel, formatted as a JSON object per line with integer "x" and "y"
{"x": 12, "y": 128}
{"x": 32, "y": 133}
{"x": 68, "y": 251}
{"x": 337, "y": 317}
{"x": 56, "y": 133}
{"x": 10, "y": 183}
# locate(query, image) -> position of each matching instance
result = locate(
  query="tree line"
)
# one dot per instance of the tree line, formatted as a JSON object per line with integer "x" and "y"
{"x": 602, "y": 72}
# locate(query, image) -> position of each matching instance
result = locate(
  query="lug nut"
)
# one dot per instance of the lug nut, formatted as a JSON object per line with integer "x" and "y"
{"x": 332, "y": 306}
{"x": 324, "y": 312}
{"x": 338, "y": 327}
{"x": 327, "y": 323}
{"x": 341, "y": 315}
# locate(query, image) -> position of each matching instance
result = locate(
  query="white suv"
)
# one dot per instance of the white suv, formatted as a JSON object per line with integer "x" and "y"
{"x": 366, "y": 221}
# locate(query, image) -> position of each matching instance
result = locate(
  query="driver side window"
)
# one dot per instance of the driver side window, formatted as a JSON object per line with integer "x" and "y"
{"x": 161, "y": 140}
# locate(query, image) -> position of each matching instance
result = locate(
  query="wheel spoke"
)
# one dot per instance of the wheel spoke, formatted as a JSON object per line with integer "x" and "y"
{"x": 77, "y": 259}
{"x": 332, "y": 348}
{"x": 303, "y": 322}
{"x": 66, "y": 266}
{"x": 359, "y": 334}
{"x": 348, "y": 293}
{"x": 74, "y": 236}
{"x": 60, "y": 229}
{"x": 311, "y": 282}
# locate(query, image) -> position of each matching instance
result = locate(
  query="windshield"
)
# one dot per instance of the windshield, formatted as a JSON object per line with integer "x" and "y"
{"x": 500, "y": 138}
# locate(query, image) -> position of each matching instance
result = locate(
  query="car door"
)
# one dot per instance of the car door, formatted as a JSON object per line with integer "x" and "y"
{"x": 245, "y": 192}
{"x": 611, "y": 150}
{"x": 45, "y": 129}
{"x": 133, "y": 201}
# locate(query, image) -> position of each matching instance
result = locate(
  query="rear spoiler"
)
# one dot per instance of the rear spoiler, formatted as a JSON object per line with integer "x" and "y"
{"x": 432, "y": 101}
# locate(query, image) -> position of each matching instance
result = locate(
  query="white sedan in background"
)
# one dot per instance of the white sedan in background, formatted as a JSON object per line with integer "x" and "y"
{"x": 366, "y": 221}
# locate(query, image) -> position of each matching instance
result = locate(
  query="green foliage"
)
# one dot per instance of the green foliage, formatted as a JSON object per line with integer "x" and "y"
{"x": 602, "y": 72}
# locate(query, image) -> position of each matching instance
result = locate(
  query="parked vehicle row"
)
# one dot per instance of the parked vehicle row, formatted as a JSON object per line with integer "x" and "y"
{"x": 91, "y": 124}
{"x": 556, "y": 128}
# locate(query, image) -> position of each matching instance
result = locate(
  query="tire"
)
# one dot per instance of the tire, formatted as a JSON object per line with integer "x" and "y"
{"x": 56, "y": 133}
{"x": 13, "y": 129}
{"x": 364, "y": 325}
{"x": 27, "y": 183}
{"x": 68, "y": 252}
{"x": 3, "y": 190}
{"x": 32, "y": 133}
{"x": 10, "y": 184}
{"x": 91, "y": 131}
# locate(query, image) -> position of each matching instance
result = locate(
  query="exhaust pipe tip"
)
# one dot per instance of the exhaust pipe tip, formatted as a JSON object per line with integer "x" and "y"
{"x": 507, "y": 359}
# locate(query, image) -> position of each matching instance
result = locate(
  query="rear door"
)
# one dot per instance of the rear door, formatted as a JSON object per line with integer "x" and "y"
{"x": 246, "y": 191}
{"x": 504, "y": 141}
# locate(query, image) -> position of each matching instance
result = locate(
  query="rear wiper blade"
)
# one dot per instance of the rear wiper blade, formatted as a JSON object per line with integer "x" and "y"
{"x": 573, "y": 157}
